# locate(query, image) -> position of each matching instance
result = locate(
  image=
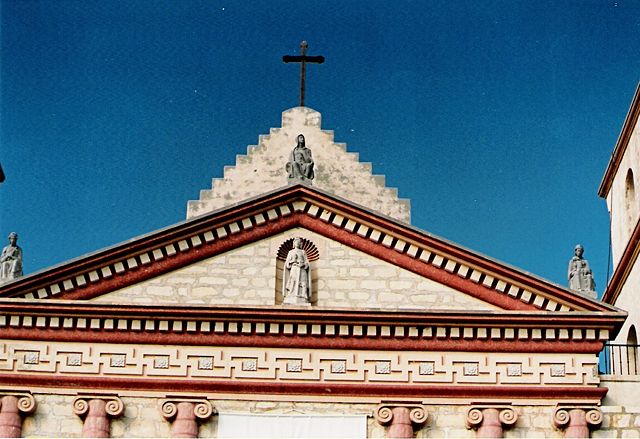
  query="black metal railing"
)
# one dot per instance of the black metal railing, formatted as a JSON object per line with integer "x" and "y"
{"x": 620, "y": 359}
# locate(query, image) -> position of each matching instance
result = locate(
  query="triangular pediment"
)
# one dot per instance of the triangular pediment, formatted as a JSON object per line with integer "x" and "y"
{"x": 408, "y": 262}
{"x": 341, "y": 277}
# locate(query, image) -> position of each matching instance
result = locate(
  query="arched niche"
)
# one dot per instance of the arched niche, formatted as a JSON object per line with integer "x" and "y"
{"x": 630, "y": 202}
{"x": 311, "y": 250}
{"x": 632, "y": 351}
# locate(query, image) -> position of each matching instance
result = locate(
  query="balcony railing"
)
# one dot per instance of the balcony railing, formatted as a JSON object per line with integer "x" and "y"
{"x": 620, "y": 359}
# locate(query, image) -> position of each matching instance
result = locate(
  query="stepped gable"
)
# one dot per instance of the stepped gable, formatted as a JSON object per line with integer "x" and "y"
{"x": 337, "y": 171}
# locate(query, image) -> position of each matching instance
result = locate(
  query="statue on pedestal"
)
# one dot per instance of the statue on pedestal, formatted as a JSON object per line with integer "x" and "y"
{"x": 11, "y": 260}
{"x": 300, "y": 165}
{"x": 297, "y": 281}
{"x": 580, "y": 274}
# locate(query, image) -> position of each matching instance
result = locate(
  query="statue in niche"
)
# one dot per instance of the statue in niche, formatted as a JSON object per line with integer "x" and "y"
{"x": 11, "y": 260}
{"x": 297, "y": 279}
{"x": 300, "y": 165}
{"x": 580, "y": 274}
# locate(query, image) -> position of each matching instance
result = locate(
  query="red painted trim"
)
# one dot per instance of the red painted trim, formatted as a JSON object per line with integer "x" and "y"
{"x": 323, "y": 389}
{"x": 277, "y": 314}
{"x": 261, "y": 204}
{"x": 621, "y": 145}
{"x": 623, "y": 268}
{"x": 182, "y": 259}
{"x": 458, "y": 344}
{"x": 417, "y": 266}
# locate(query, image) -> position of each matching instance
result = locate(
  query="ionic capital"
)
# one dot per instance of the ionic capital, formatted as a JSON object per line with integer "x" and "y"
{"x": 202, "y": 408}
{"x": 576, "y": 421}
{"x": 113, "y": 405}
{"x": 402, "y": 418}
{"x": 25, "y": 402}
{"x": 490, "y": 420}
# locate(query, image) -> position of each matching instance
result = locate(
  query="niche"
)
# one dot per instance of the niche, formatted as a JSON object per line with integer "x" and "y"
{"x": 630, "y": 200}
{"x": 313, "y": 255}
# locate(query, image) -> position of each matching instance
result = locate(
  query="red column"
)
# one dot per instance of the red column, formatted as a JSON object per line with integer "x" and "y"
{"x": 97, "y": 412}
{"x": 402, "y": 419}
{"x": 184, "y": 414}
{"x": 491, "y": 421}
{"x": 12, "y": 408}
{"x": 577, "y": 421}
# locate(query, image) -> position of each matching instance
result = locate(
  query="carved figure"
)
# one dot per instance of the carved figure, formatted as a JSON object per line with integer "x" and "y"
{"x": 300, "y": 165}
{"x": 11, "y": 260}
{"x": 580, "y": 274}
{"x": 297, "y": 282}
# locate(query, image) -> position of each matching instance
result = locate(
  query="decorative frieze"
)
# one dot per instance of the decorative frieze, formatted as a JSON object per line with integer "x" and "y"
{"x": 295, "y": 365}
{"x": 97, "y": 412}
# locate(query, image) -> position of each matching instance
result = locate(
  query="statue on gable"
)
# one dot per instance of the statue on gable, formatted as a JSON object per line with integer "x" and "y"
{"x": 297, "y": 279}
{"x": 300, "y": 165}
{"x": 11, "y": 260}
{"x": 580, "y": 274}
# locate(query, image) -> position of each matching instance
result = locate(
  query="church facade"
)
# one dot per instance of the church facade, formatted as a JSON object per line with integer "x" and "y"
{"x": 297, "y": 300}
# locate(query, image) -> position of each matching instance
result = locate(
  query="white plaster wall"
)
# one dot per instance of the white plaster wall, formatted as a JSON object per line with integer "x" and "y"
{"x": 628, "y": 301}
{"x": 342, "y": 277}
{"x": 621, "y": 223}
{"x": 337, "y": 171}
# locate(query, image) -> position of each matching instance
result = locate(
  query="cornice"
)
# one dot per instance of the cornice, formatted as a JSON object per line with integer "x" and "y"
{"x": 621, "y": 145}
{"x": 558, "y": 392}
{"x": 317, "y": 328}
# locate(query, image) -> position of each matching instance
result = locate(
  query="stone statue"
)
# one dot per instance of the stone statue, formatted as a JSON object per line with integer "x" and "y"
{"x": 580, "y": 275}
{"x": 300, "y": 165}
{"x": 11, "y": 260}
{"x": 297, "y": 281}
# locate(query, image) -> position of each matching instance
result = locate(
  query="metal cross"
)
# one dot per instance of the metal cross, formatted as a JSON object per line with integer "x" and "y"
{"x": 303, "y": 59}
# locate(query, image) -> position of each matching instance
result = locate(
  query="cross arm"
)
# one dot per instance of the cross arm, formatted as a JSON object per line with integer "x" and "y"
{"x": 305, "y": 58}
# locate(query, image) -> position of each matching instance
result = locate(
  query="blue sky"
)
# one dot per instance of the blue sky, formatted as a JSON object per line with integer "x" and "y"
{"x": 497, "y": 119}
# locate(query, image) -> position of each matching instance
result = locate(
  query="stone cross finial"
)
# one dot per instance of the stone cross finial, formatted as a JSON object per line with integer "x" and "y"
{"x": 303, "y": 59}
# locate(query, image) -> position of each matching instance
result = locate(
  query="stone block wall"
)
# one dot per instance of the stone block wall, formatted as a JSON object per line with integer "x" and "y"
{"x": 54, "y": 417}
{"x": 341, "y": 277}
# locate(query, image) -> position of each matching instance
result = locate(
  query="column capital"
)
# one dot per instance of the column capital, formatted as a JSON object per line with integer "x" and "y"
{"x": 202, "y": 408}
{"x": 26, "y": 403}
{"x": 562, "y": 417}
{"x": 114, "y": 407}
{"x": 384, "y": 413}
{"x": 507, "y": 415}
